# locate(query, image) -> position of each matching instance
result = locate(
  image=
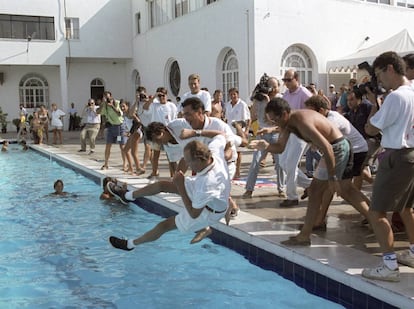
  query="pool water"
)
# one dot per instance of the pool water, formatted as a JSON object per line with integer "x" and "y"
{"x": 54, "y": 252}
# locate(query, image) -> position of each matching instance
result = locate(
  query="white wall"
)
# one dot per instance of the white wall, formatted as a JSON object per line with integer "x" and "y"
{"x": 327, "y": 29}
{"x": 82, "y": 73}
{"x": 9, "y": 91}
{"x": 105, "y": 38}
{"x": 105, "y": 31}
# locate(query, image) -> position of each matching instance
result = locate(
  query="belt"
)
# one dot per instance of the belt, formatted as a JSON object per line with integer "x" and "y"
{"x": 337, "y": 140}
{"x": 214, "y": 211}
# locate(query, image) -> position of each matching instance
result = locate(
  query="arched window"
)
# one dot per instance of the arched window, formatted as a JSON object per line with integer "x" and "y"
{"x": 97, "y": 88}
{"x": 34, "y": 91}
{"x": 298, "y": 59}
{"x": 230, "y": 73}
{"x": 175, "y": 78}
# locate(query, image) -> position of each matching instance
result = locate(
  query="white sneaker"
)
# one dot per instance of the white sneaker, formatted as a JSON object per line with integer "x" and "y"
{"x": 382, "y": 272}
{"x": 405, "y": 258}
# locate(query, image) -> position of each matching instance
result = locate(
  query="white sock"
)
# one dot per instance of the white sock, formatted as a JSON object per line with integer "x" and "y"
{"x": 390, "y": 260}
{"x": 411, "y": 251}
{"x": 128, "y": 196}
{"x": 130, "y": 244}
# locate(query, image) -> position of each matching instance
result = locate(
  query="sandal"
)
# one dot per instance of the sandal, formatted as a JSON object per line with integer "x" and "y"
{"x": 140, "y": 171}
{"x": 294, "y": 241}
{"x": 104, "y": 167}
{"x": 234, "y": 212}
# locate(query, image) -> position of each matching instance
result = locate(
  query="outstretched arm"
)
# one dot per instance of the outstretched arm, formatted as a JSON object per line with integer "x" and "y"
{"x": 277, "y": 147}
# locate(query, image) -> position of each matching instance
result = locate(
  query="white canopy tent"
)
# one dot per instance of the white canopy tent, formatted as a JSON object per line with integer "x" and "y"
{"x": 402, "y": 43}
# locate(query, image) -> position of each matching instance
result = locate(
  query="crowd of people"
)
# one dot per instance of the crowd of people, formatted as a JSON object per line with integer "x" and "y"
{"x": 342, "y": 135}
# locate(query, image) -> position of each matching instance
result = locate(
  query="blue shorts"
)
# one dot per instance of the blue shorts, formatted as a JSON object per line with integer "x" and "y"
{"x": 114, "y": 134}
{"x": 343, "y": 161}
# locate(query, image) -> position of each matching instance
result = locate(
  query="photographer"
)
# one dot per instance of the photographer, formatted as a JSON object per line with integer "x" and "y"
{"x": 113, "y": 132}
{"x": 393, "y": 188}
{"x": 91, "y": 127}
{"x": 265, "y": 90}
{"x": 144, "y": 117}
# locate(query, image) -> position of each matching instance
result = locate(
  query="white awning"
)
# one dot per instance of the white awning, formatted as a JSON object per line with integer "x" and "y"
{"x": 402, "y": 43}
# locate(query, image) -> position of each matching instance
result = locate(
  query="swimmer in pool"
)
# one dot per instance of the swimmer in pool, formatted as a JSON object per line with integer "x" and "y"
{"x": 58, "y": 186}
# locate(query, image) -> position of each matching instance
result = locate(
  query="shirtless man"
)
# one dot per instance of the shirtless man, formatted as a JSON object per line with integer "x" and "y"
{"x": 316, "y": 129}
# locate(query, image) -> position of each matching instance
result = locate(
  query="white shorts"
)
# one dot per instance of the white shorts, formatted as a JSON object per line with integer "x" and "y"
{"x": 186, "y": 224}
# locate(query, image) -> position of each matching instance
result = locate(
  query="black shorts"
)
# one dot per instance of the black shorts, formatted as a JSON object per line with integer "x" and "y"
{"x": 358, "y": 165}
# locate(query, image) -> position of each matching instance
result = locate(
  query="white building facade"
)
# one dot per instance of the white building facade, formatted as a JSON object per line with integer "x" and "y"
{"x": 69, "y": 50}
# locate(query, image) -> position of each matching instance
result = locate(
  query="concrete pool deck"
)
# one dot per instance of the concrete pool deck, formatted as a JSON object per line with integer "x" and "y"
{"x": 340, "y": 253}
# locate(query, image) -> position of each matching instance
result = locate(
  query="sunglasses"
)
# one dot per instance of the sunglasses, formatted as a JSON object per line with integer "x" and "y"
{"x": 287, "y": 79}
{"x": 161, "y": 95}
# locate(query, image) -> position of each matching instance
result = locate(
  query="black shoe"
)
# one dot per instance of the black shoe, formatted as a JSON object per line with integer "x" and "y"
{"x": 117, "y": 191}
{"x": 305, "y": 194}
{"x": 81, "y": 150}
{"x": 288, "y": 203}
{"x": 119, "y": 243}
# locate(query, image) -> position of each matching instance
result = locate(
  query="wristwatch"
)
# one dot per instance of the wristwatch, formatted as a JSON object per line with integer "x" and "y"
{"x": 197, "y": 133}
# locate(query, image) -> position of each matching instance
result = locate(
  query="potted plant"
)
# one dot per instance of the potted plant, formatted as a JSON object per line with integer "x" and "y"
{"x": 3, "y": 121}
{"x": 16, "y": 122}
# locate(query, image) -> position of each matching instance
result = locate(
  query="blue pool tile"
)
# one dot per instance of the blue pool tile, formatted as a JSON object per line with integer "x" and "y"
{"x": 309, "y": 281}
{"x": 333, "y": 290}
{"x": 299, "y": 275}
{"x": 359, "y": 300}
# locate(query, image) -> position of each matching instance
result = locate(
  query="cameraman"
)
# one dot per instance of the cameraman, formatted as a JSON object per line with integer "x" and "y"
{"x": 92, "y": 125}
{"x": 110, "y": 108}
{"x": 144, "y": 115}
{"x": 267, "y": 89}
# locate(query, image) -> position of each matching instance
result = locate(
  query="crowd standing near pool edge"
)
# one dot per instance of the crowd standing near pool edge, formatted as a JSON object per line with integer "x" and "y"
{"x": 209, "y": 144}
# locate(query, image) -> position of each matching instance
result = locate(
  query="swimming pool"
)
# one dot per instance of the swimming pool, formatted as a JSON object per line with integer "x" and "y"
{"x": 54, "y": 253}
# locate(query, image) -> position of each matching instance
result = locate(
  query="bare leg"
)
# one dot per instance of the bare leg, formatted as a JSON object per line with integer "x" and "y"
{"x": 173, "y": 167}
{"x": 54, "y": 136}
{"x": 107, "y": 154}
{"x": 238, "y": 163}
{"x": 147, "y": 155}
{"x": 326, "y": 201}
{"x": 201, "y": 234}
{"x": 159, "y": 230}
{"x": 382, "y": 230}
{"x": 59, "y": 132}
{"x": 355, "y": 197}
{"x": 315, "y": 190}
{"x": 154, "y": 162}
{"x": 407, "y": 217}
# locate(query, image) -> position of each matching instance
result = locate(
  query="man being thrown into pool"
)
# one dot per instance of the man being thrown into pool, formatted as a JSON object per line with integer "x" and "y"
{"x": 315, "y": 128}
{"x": 205, "y": 195}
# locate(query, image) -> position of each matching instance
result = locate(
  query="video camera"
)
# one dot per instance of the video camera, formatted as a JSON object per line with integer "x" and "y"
{"x": 373, "y": 83}
{"x": 261, "y": 89}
